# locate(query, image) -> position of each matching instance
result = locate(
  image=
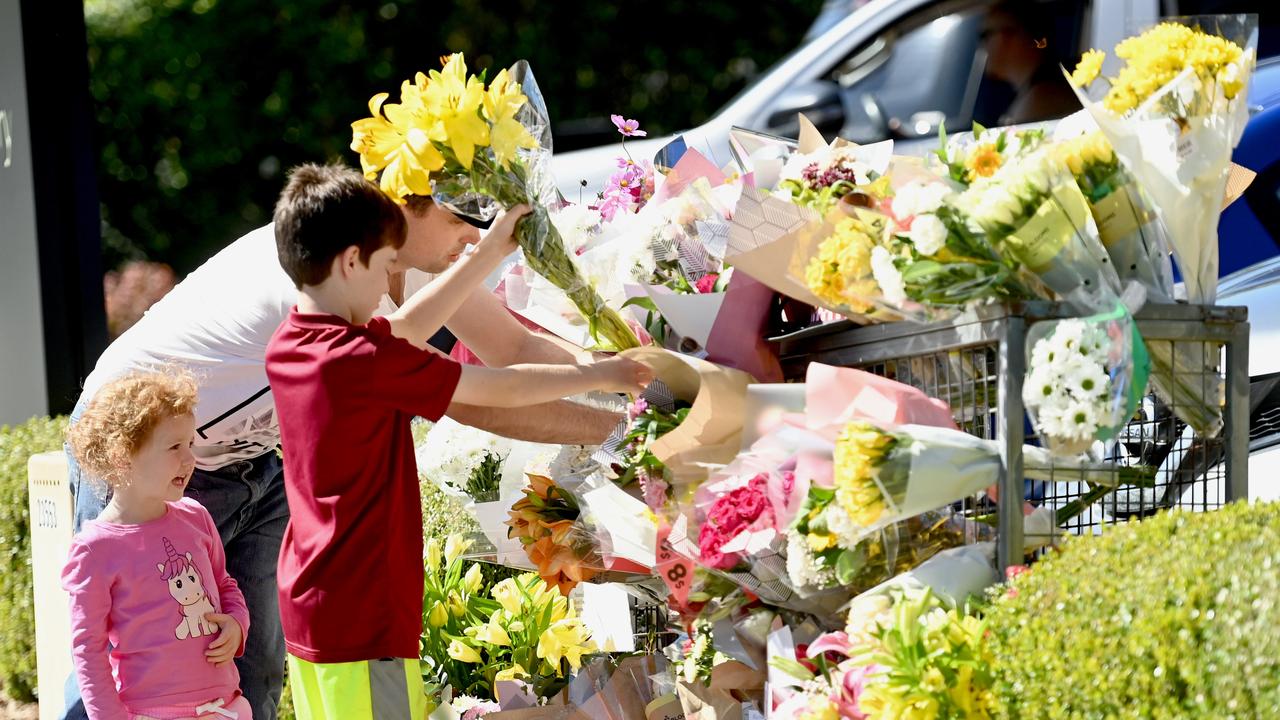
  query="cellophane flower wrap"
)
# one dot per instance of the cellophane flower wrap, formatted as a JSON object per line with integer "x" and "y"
{"x": 1086, "y": 379}
{"x": 884, "y": 475}
{"x": 476, "y": 148}
{"x": 1173, "y": 113}
{"x": 1128, "y": 225}
{"x": 546, "y": 521}
{"x": 1034, "y": 213}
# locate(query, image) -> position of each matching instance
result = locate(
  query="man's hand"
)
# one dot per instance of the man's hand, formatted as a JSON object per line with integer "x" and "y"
{"x": 501, "y": 236}
{"x": 223, "y": 650}
{"x": 621, "y": 375}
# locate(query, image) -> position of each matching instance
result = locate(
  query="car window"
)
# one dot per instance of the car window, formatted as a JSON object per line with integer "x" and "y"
{"x": 997, "y": 65}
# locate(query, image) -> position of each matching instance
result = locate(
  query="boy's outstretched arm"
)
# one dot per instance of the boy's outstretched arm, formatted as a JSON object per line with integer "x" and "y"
{"x": 524, "y": 385}
{"x": 426, "y": 312}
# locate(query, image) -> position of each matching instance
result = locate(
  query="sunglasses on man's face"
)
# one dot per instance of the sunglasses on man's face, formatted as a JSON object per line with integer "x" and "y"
{"x": 482, "y": 224}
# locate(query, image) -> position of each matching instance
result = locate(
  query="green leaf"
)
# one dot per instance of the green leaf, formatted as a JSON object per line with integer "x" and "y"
{"x": 850, "y": 564}
{"x": 792, "y": 668}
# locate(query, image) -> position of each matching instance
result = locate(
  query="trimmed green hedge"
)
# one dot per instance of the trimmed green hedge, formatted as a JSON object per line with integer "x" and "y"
{"x": 17, "y": 619}
{"x": 1173, "y": 617}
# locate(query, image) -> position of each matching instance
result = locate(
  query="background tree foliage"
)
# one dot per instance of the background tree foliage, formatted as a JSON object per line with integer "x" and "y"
{"x": 202, "y": 105}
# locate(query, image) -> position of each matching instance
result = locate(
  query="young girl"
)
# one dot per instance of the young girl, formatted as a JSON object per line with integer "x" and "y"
{"x": 156, "y": 619}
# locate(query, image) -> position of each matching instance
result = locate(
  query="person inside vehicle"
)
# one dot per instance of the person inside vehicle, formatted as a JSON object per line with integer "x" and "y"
{"x": 1019, "y": 40}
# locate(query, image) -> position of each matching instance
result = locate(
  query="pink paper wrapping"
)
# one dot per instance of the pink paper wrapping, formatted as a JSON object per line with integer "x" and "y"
{"x": 834, "y": 396}
{"x": 737, "y": 337}
{"x": 691, "y": 166}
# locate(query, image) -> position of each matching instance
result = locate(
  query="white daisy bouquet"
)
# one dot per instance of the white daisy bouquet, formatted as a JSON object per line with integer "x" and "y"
{"x": 1086, "y": 378}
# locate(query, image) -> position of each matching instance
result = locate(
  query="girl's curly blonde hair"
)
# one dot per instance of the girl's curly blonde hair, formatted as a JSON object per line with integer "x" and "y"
{"x": 122, "y": 415}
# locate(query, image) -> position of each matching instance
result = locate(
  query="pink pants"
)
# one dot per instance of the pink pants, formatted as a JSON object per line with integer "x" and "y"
{"x": 237, "y": 709}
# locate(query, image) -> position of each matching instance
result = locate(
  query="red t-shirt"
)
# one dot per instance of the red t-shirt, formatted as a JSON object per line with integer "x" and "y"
{"x": 350, "y": 570}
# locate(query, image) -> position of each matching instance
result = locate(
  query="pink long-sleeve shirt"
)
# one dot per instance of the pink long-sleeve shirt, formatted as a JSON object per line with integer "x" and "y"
{"x": 138, "y": 598}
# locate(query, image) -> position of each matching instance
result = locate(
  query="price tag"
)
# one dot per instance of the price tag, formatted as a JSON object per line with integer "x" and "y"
{"x": 676, "y": 569}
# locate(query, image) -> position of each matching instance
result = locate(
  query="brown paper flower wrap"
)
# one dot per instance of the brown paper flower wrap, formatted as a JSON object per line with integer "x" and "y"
{"x": 712, "y": 432}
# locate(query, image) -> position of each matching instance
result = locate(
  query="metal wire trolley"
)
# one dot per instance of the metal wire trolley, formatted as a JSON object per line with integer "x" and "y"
{"x": 977, "y": 363}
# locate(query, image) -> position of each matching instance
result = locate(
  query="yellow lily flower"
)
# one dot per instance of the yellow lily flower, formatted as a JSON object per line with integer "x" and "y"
{"x": 462, "y": 652}
{"x": 438, "y": 616}
{"x": 492, "y": 634}
{"x": 567, "y": 639}
{"x": 473, "y": 579}
{"x": 454, "y": 547}
{"x": 433, "y": 555}
{"x": 508, "y": 596}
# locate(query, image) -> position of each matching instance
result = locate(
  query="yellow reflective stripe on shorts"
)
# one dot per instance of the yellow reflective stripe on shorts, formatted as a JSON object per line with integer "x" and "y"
{"x": 368, "y": 689}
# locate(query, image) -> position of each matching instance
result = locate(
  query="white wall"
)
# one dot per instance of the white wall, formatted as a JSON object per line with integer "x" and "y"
{"x": 22, "y": 366}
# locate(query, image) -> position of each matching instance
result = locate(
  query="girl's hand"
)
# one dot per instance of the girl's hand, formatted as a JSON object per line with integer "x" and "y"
{"x": 223, "y": 650}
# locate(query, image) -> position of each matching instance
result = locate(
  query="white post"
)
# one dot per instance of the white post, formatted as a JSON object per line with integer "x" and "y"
{"x": 51, "y": 516}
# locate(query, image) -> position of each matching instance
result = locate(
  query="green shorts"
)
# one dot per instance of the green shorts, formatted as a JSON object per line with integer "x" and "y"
{"x": 366, "y": 690}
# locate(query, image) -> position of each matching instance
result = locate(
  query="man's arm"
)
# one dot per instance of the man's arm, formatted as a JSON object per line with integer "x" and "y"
{"x": 487, "y": 328}
{"x": 561, "y": 422}
{"x": 521, "y": 386}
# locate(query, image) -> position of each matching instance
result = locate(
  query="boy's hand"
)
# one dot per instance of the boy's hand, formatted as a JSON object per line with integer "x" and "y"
{"x": 500, "y": 238}
{"x": 621, "y": 375}
{"x": 223, "y": 649}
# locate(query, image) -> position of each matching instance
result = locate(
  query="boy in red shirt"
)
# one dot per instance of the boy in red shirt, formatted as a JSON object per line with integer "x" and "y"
{"x": 346, "y": 385}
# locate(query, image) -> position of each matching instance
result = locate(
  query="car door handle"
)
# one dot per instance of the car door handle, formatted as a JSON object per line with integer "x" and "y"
{"x": 6, "y": 137}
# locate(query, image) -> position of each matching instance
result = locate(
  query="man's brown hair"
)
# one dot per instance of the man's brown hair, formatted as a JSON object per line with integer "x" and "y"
{"x": 323, "y": 210}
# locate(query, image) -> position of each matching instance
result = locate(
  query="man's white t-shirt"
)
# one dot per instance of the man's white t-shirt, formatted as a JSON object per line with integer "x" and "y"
{"x": 216, "y": 323}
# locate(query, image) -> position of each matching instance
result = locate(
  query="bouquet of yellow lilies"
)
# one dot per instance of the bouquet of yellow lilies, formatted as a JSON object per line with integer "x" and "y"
{"x": 531, "y": 634}
{"x": 450, "y": 603}
{"x": 476, "y": 148}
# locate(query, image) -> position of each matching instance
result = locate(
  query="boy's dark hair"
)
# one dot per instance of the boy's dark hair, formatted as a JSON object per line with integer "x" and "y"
{"x": 325, "y": 209}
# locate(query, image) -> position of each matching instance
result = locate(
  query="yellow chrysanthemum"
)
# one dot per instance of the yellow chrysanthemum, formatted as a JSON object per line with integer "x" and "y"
{"x": 1157, "y": 56}
{"x": 1088, "y": 68}
{"x": 843, "y": 265}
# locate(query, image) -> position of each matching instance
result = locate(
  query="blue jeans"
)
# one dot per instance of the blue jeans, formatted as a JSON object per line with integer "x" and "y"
{"x": 247, "y": 502}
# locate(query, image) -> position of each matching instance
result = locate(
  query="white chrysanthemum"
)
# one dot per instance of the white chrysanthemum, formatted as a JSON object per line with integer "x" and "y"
{"x": 928, "y": 233}
{"x": 918, "y": 198}
{"x": 887, "y": 276}
{"x": 1067, "y": 335}
{"x": 1049, "y": 420}
{"x": 577, "y": 224}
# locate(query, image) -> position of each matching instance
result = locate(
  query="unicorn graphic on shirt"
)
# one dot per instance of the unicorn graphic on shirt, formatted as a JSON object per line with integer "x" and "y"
{"x": 186, "y": 587}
